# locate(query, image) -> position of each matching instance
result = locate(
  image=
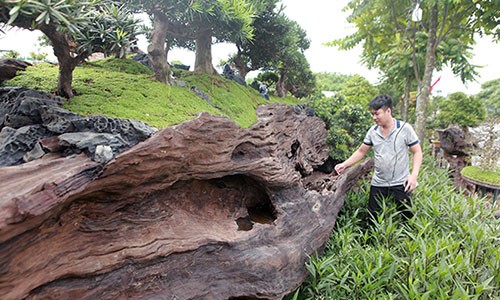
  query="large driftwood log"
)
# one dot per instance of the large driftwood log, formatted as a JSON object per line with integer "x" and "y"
{"x": 201, "y": 210}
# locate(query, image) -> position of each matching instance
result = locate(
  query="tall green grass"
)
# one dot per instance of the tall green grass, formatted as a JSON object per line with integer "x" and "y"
{"x": 450, "y": 249}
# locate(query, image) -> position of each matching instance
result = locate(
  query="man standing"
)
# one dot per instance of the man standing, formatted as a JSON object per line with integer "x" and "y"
{"x": 390, "y": 139}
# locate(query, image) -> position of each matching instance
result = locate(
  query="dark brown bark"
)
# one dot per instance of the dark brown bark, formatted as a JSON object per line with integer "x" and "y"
{"x": 201, "y": 210}
{"x": 457, "y": 146}
{"x": 242, "y": 67}
{"x": 203, "y": 59}
{"x": 9, "y": 68}
{"x": 280, "y": 85}
{"x": 64, "y": 50}
{"x": 156, "y": 50}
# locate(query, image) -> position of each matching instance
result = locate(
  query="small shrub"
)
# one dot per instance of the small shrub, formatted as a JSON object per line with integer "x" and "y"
{"x": 347, "y": 124}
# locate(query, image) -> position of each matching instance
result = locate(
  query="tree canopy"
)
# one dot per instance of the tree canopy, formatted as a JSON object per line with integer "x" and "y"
{"x": 490, "y": 96}
{"x": 407, "y": 51}
{"x": 460, "y": 109}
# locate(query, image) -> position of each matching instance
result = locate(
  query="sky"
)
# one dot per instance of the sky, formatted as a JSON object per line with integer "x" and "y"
{"x": 323, "y": 21}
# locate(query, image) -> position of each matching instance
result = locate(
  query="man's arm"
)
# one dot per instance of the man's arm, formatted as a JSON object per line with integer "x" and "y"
{"x": 411, "y": 182}
{"x": 355, "y": 157}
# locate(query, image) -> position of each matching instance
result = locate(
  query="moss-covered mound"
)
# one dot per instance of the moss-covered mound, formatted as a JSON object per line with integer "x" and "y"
{"x": 475, "y": 173}
{"x": 123, "y": 88}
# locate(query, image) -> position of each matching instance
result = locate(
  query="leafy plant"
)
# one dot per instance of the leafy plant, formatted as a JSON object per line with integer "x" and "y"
{"x": 11, "y": 54}
{"x": 347, "y": 124}
{"x": 460, "y": 109}
{"x": 448, "y": 250}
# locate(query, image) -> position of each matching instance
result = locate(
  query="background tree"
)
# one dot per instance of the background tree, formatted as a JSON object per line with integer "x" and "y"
{"x": 490, "y": 96}
{"x": 299, "y": 79}
{"x": 460, "y": 109}
{"x": 358, "y": 90}
{"x": 213, "y": 21}
{"x": 446, "y": 25}
{"x": 58, "y": 21}
{"x": 69, "y": 26}
{"x": 332, "y": 82}
{"x": 197, "y": 20}
{"x": 347, "y": 124}
{"x": 290, "y": 59}
{"x": 346, "y": 113}
{"x": 112, "y": 30}
{"x": 161, "y": 13}
{"x": 269, "y": 37}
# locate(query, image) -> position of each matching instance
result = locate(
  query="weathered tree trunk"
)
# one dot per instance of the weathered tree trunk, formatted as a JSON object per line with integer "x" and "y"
{"x": 201, "y": 210}
{"x": 203, "y": 59}
{"x": 67, "y": 61}
{"x": 280, "y": 85}
{"x": 424, "y": 92}
{"x": 156, "y": 50}
{"x": 242, "y": 67}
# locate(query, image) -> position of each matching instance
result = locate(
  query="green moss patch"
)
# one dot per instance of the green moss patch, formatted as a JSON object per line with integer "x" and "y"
{"x": 123, "y": 88}
{"x": 476, "y": 173}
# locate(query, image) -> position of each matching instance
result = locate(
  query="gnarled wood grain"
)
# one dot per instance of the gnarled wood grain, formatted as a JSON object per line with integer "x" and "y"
{"x": 201, "y": 210}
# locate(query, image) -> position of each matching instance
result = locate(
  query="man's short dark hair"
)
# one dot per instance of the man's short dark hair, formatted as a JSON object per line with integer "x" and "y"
{"x": 381, "y": 101}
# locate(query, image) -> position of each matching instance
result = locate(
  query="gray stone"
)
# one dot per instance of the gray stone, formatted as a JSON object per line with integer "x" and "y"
{"x": 35, "y": 153}
{"x": 103, "y": 154}
{"x": 28, "y": 117}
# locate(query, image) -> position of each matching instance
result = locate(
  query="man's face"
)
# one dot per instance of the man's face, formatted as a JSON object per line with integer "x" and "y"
{"x": 381, "y": 116}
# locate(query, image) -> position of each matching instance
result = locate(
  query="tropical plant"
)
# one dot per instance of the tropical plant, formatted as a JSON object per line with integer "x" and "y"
{"x": 332, "y": 82}
{"x": 11, "y": 54}
{"x": 357, "y": 90}
{"x": 112, "y": 30}
{"x": 347, "y": 124}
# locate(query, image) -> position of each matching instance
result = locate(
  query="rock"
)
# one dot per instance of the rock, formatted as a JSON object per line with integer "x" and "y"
{"x": 28, "y": 117}
{"x": 9, "y": 67}
{"x": 103, "y": 153}
{"x": 487, "y": 139}
{"x": 201, "y": 94}
{"x": 35, "y": 153}
{"x": 201, "y": 210}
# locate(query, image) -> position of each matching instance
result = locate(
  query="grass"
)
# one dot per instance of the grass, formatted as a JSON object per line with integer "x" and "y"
{"x": 126, "y": 89}
{"x": 449, "y": 250}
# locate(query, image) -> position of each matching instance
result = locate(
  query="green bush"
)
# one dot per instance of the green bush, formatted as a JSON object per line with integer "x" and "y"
{"x": 347, "y": 124}
{"x": 448, "y": 250}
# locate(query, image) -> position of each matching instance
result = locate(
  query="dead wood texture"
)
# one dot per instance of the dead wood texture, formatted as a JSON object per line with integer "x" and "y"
{"x": 9, "y": 68}
{"x": 201, "y": 210}
{"x": 457, "y": 146}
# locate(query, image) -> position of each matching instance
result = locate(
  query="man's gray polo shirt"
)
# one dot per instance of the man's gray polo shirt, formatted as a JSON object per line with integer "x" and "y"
{"x": 391, "y": 153}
